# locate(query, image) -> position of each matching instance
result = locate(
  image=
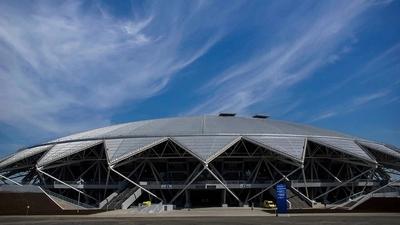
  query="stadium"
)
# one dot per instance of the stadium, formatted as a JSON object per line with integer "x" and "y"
{"x": 203, "y": 161}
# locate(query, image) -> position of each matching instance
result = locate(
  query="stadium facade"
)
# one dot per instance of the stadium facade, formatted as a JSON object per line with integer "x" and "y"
{"x": 202, "y": 161}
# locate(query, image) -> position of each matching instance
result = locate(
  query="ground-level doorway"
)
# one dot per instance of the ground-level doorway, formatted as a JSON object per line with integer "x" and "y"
{"x": 206, "y": 198}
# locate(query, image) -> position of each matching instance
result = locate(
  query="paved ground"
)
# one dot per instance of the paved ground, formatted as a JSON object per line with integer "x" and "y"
{"x": 196, "y": 212}
{"x": 339, "y": 219}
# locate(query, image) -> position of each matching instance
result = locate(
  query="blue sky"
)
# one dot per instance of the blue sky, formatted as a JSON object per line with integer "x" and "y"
{"x": 72, "y": 66}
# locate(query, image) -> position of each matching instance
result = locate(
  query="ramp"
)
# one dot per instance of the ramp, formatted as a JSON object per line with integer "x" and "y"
{"x": 127, "y": 195}
{"x": 67, "y": 203}
{"x": 295, "y": 201}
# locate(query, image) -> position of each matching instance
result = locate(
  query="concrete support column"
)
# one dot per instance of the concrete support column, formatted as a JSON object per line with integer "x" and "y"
{"x": 187, "y": 197}
{"x": 223, "y": 196}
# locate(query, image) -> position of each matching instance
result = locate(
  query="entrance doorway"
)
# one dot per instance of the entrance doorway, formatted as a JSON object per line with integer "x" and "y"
{"x": 206, "y": 198}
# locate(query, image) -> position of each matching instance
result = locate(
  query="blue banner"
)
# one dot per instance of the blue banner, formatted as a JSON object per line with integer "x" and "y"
{"x": 281, "y": 199}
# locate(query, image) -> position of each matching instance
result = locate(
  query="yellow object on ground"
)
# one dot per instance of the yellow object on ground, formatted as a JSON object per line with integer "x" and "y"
{"x": 147, "y": 203}
{"x": 269, "y": 204}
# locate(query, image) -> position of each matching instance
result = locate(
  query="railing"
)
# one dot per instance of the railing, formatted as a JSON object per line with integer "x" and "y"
{"x": 358, "y": 198}
{"x": 83, "y": 183}
{"x": 70, "y": 200}
{"x": 131, "y": 197}
{"x": 201, "y": 182}
{"x": 152, "y": 182}
{"x": 391, "y": 189}
{"x": 330, "y": 181}
{"x": 302, "y": 196}
{"x": 348, "y": 199}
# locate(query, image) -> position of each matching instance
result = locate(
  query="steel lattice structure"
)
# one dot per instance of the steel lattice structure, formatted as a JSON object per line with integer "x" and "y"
{"x": 206, "y": 161}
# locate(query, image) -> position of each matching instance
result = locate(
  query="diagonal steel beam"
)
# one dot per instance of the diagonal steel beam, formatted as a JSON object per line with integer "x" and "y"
{"x": 224, "y": 149}
{"x": 188, "y": 184}
{"x": 370, "y": 194}
{"x": 58, "y": 180}
{"x": 212, "y": 167}
{"x": 302, "y": 195}
{"x": 254, "y": 174}
{"x": 304, "y": 178}
{"x": 134, "y": 183}
{"x": 15, "y": 182}
{"x": 222, "y": 183}
{"x": 342, "y": 184}
{"x": 276, "y": 169}
{"x": 137, "y": 167}
{"x": 270, "y": 186}
{"x": 329, "y": 172}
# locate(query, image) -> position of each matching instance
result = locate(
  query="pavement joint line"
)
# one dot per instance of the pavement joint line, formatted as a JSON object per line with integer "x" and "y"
{"x": 167, "y": 215}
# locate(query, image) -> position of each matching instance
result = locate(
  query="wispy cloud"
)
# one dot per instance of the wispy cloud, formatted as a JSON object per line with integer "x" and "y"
{"x": 351, "y": 105}
{"x": 324, "y": 115}
{"x": 384, "y": 64}
{"x": 313, "y": 37}
{"x": 69, "y": 66}
{"x": 380, "y": 70}
{"x": 65, "y": 67}
{"x": 370, "y": 97}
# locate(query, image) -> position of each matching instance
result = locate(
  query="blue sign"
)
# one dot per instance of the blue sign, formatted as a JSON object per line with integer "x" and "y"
{"x": 281, "y": 199}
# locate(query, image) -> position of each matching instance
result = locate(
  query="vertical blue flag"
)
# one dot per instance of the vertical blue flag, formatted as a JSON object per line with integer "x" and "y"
{"x": 281, "y": 198}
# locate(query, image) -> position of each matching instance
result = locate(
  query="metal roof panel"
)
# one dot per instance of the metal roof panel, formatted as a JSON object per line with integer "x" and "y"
{"x": 119, "y": 149}
{"x": 96, "y": 133}
{"x": 206, "y": 147}
{"x": 345, "y": 146}
{"x": 289, "y": 146}
{"x": 26, "y": 153}
{"x": 380, "y": 148}
{"x": 63, "y": 150}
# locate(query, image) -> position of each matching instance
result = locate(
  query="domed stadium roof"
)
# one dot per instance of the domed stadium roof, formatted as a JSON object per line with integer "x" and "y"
{"x": 204, "y": 125}
{"x": 205, "y": 137}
